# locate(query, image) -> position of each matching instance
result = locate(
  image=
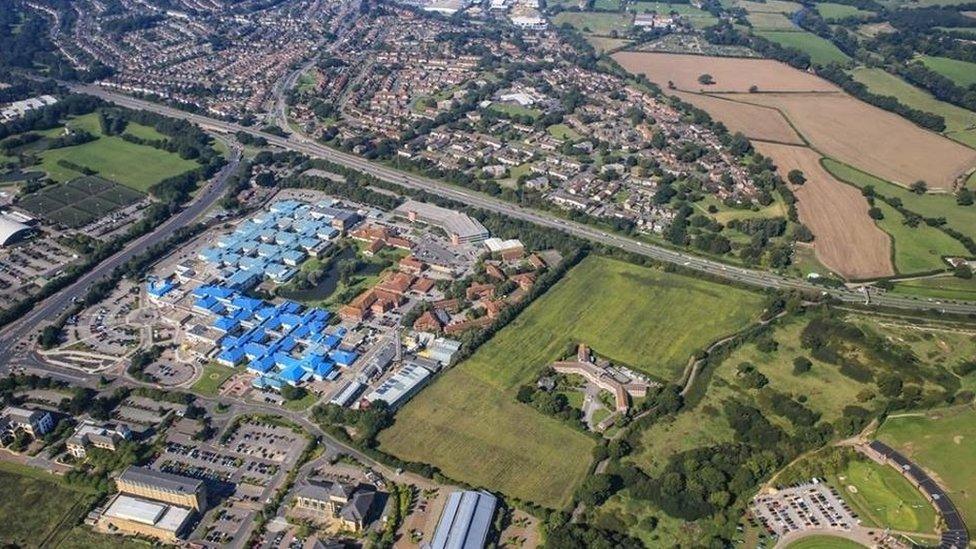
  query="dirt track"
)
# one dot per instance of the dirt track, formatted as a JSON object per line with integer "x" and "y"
{"x": 847, "y": 240}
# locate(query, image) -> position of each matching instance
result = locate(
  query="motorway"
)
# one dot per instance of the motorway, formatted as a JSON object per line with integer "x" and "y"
{"x": 751, "y": 277}
{"x": 51, "y": 307}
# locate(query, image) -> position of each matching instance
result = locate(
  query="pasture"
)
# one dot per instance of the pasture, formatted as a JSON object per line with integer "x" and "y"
{"x": 884, "y": 498}
{"x": 917, "y": 249}
{"x": 840, "y": 126}
{"x": 602, "y": 23}
{"x": 942, "y": 442}
{"x": 847, "y": 240}
{"x": 468, "y": 422}
{"x": 820, "y": 50}
{"x": 731, "y": 74}
{"x": 962, "y": 73}
{"x": 947, "y": 287}
{"x": 769, "y": 6}
{"x": 960, "y": 123}
{"x": 770, "y": 21}
{"x": 832, "y": 11}
{"x": 699, "y": 18}
{"x": 80, "y": 201}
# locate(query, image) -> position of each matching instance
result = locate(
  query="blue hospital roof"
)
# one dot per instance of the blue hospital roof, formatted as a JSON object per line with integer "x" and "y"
{"x": 160, "y": 288}
{"x": 344, "y": 358}
{"x": 293, "y": 374}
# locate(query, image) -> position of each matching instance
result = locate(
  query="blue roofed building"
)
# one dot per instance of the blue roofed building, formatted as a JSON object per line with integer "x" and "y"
{"x": 159, "y": 288}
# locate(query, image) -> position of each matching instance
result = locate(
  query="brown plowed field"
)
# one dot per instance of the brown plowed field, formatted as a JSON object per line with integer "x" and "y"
{"x": 874, "y": 140}
{"x": 731, "y": 74}
{"x": 753, "y": 121}
{"x": 847, "y": 240}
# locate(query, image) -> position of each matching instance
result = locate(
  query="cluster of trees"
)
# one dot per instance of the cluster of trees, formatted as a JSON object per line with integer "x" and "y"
{"x": 549, "y": 403}
{"x": 366, "y": 423}
{"x": 140, "y": 360}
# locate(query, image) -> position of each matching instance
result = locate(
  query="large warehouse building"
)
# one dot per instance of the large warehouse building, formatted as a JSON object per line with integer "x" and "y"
{"x": 165, "y": 487}
{"x": 12, "y": 231}
{"x": 466, "y": 520}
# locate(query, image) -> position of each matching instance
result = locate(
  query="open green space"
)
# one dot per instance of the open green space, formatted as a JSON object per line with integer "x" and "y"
{"x": 214, "y": 375}
{"x": 961, "y": 218}
{"x": 962, "y": 73}
{"x": 727, "y": 213}
{"x": 37, "y": 508}
{"x": 768, "y": 6}
{"x": 468, "y": 422}
{"x": 824, "y": 542}
{"x": 514, "y": 109}
{"x": 80, "y": 537}
{"x": 884, "y": 498}
{"x": 562, "y": 131}
{"x": 946, "y": 287}
{"x": 917, "y": 249}
{"x": 960, "y": 123}
{"x": 820, "y": 50}
{"x": 699, "y": 18}
{"x": 830, "y": 10}
{"x": 942, "y": 442}
{"x": 80, "y": 201}
{"x": 770, "y": 21}
{"x": 591, "y": 22}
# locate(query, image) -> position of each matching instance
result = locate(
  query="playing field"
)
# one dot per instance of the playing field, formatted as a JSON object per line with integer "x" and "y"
{"x": 468, "y": 422}
{"x": 820, "y": 50}
{"x": 731, "y": 74}
{"x": 942, "y": 442}
{"x": 602, "y": 23}
{"x": 847, "y": 239}
{"x": 824, "y": 542}
{"x": 884, "y": 498}
{"x": 36, "y": 507}
{"x": 960, "y": 72}
{"x": 959, "y": 121}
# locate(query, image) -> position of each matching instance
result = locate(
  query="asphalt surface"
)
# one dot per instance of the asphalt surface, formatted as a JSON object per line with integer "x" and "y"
{"x": 51, "y": 307}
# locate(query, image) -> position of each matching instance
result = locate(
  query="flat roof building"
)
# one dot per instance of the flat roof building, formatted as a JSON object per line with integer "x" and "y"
{"x": 460, "y": 227}
{"x": 465, "y": 521}
{"x": 402, "y": 385}
{"x": 133, "y": 515}
{"x": 164, "y": 487}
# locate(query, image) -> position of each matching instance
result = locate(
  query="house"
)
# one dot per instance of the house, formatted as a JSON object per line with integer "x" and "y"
{"x": 33, "y": 422}
{"x": 107, "y": 436}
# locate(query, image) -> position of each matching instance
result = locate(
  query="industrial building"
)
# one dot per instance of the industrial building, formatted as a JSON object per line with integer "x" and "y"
{"x": 273, "y": 243}
{"x": 177, "y": 490}
{"x": 460, "y": 227}
{"x": 138, "y": 516}
{"x": 465, "y": 521}
{"x": 402, "y": 385}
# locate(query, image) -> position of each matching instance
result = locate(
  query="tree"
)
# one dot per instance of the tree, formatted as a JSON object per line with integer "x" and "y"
{"x": 801, "y": 365}
{"x": 919, "y": 187}
{"x": 964, "y": 197}
{"x": 796, "y": 177}
{"x": 875, "y": 213}
{"x": 706, "y": 79}
{"x": 963, "y": 271}
{"x": 597, "y": 488}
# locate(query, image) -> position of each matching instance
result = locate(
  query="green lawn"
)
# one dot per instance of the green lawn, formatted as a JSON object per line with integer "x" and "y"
{"x": 727, "y": 213}
{"x": 562, "y": 131}
{"x": 595, "y": 22}
{"x": 38, "y": 508}
{"x": 824, "y": 542}
{"x": 942, "y": 442}
{"x": 958, "y": 120}
{"x": 468, "y": 422}
{"x": 821, "y": 51}
{"x": 830, "y": 10}
{"x": 948, "y": 287}
{"x": 513, "y": 109}
{"x": 883, "y": 497}
{"x": 961, "y": 218}
{"x": 214, "y": 375}
{"x": 303, "y": 403}
{"x": 917, "y": 249}
{"x": 770, "y": 21}
{"x": 961, "y": 72}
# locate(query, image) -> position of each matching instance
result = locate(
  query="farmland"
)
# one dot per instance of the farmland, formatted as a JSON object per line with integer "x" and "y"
{"x": 753, "y": 121}
{"x": 947, "y": 287}
{"x": 731, "y": 74}
{"x": 830, "y": 10}
{"x": 770, "y": 21}
{"x": 960, "y": 72}
{"x": 602, "y": 23}
{"x": 848, "y": 242}
{"x": 819, "y": 49}
{"x": 960, "y": 123}
{"x": 468, "y": 422}
{"x": 80, "y": 201}
{"x": 943, "y": 443}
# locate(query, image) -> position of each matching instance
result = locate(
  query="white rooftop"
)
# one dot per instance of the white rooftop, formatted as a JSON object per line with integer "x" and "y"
{"x": 160, "y": 515}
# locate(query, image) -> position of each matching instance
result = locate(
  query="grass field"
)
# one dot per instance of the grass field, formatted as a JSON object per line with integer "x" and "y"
{"x": 562, "y": 131}
{"x": 513, "y": 109}
{"x": 697, "y": 17}
{"x": 468, "y": 422}
{"x": 79, "y": 201}
{"x": 961, "y": 218}
{"x": 960, "y": 72}
{"x": 37, "y": 509}
{"x": 948, "y": 287}
{"x": 960, "y": 123}
{"x": 917, "y": 249}
{"x": 882, "y": 497}
{"x": 595, "y": 22}
{"x": 214, "y": 375}
{"x": 821, "y": 51}
{"x": 770, "y": 21}
{"x": 824, "y": 542}
{"x": 943, "y": 443}
{"x": 830, "y": 10}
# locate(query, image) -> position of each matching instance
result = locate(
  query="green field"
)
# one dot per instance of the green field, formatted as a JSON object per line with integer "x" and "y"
{"x": 768, "y": 6}
{"x": 697, "y": 17}
{"x": 830, "y": 10}
{"x": 961, "y": 218}
{"x": 917, "y": 249}
{"x": 468, "y": 422}
{"x": 214, "y": 375}
{"x": 770, "y": 21}
{"x": 961, "y": 72}
{"x": 595, "y": 22}
{"x": 821, "y": 51}
{"x": 79, "y": 201}
{"x": 960, "y": 123}
{"x": 514, "y": 109}
{"x": 883, "y": 497}
{"x": 948, "y": 287}
{"x": 38, "y": 508}
{"x": 562, "y": 131}
{"x": 942, "y": 442}
{"x": 824, "y": 542}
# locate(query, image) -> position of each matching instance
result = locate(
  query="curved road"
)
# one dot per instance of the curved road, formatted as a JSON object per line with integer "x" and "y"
{"x": 54, "y": 305}
{"x": 465, "y": 196}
